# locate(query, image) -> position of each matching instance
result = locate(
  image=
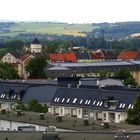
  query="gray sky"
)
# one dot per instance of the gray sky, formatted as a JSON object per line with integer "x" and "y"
{"x": 71, "y": 11}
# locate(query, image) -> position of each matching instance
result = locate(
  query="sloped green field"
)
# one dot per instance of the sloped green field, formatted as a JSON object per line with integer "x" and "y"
{"x": 48, "y": 28}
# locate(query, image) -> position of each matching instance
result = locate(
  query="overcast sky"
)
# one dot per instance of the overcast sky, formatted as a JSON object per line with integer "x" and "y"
{"x": 71, "y": 11}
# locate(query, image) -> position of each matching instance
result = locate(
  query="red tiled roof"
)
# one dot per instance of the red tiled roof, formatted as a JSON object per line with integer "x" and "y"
{"x": 127, "y": 55}
{"x": 71, "y": 57}
{"x": 25, "y": 56}
{"x": 65, "y": 57}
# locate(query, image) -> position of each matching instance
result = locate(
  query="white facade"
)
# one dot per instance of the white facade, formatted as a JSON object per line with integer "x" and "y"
{"x": 9, "y": 58}
{"x": 36, "y": 48}
{"x": 105, "y": 116}
{"x": 6, "y": 105}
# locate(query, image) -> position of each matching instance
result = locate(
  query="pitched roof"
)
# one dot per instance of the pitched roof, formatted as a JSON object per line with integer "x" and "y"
{"x": 93, "y": 98}
{"x": 25, "y": 57}
{"x": 97, "y": 55}
{"x": 56, "y": 57}
{"x": 16, "y": 54}
{"x": 65, "y": 57}
{"x": 127, "y": 55}
{"x": 43, "y": 94}
{"x": 83, "y": 55}
{"x": 36, "y": 41}
{"x": 109, "y": 54}
{"x": 13, "y": 89}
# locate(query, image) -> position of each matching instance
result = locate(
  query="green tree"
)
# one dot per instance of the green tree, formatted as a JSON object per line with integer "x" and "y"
{"x": 20, "y": 106}
{"x": 15, "y": 46}
{"x": 35, "y": 67}
{"x": 134, "y": 114}
{"x": 7, "y": 71}
{"x": 103, "y": 73}
{"x": 34, "y": 106}
{"x": 126, "y": 76}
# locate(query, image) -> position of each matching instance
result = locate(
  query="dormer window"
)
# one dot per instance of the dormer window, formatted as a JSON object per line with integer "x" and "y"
{"x": 106, "y": 103}
{"x": 113, "y": 104}
{"x": 7, "y": 96}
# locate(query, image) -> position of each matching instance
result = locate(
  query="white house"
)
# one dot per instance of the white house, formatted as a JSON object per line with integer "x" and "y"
{"x": 36, "y": 46}
{"x": 11, "y": 58}
{"x": 99, "y": 104}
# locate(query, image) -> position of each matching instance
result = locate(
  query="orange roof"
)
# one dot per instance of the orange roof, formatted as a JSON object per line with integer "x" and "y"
{"x": 65, "y": 57}
{"x": 56, "y": 57}
{"x": 70, "y": 57}
{"x": 127, "y": 55}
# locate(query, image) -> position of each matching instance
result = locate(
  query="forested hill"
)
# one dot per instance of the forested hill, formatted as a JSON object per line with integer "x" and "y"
{"x": 117, "y": 30}
{"x": 43, "y": 29}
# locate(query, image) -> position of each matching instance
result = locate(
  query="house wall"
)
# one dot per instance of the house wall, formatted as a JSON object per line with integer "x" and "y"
{"x": 9, "y": 58}
{"x": 105, "y": 116}
{"x": 116, "y": 117}
{"x": 36, "y": 48}
{"x": 136, "y": 75}
{"x": 24, "y": 74}
{"x": 6, "y": 105}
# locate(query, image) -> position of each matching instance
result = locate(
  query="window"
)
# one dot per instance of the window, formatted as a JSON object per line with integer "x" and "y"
{"x": 113, "y": 104}
{"x": 55, "y": 100}
{"x": 129, "y": 106}
{"x": 89, "y": 102}
{"x": 68, "y": 100}
{"x": 119, "y": 117}
{"x": 81, "y": 101}
{"x": 13, "y": 96}
{"x": 123, "y": 105}
{"x": 86, "y": 101}
{"x": 74, "y": 100}
{"x": 120, "y": 105}
{"x": 106, "y": 103}
{"x": 2, "y": 95}
{"x": 94, "y": 102}
{"x": 79, "y": 111}
{"x": 58, "y": 99}
{"x": 104, "y": 116}
{"x": 98, "y": 103}
{"x": 63, "y": 100}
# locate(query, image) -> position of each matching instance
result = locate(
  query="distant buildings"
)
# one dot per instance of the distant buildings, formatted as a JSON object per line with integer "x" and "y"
{"x": 75, "y": 62}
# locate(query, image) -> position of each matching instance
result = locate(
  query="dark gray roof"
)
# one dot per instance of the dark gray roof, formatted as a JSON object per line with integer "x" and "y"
{"x": 83, "y": 55}
{"x": 36, "y": 41}
{"x": 42, "y": 93}
{"x": 94, "y": 98}
{"x": 12, "y": 90}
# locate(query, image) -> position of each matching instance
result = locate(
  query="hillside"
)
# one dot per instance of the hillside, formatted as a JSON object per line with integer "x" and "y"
{"x": 14, "y": 29}
{"x": 116, "y": 30}
{"x": 109, "y": 30}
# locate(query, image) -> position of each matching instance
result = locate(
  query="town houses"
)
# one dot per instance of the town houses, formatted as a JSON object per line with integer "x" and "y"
{"x": 98, "y": 101}
{"x": 78, "y": 91}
